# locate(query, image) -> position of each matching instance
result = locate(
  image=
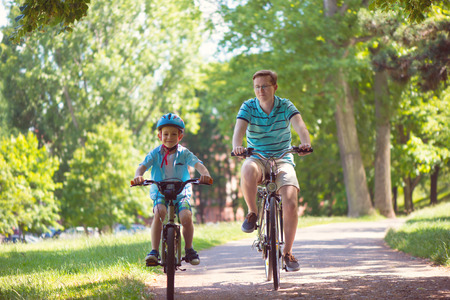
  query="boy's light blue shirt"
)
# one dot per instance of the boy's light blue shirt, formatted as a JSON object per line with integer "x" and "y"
{"x": 183, "y": 159}
{"x": 270, "y": 133}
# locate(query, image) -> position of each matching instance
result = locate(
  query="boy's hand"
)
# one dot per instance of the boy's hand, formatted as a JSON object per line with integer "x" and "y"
{"x": 138, "y": 180}
{"x": 206, "y": 179}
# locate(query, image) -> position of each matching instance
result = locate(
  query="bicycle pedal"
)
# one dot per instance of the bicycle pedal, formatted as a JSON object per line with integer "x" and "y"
{"x": 152, "y": 264}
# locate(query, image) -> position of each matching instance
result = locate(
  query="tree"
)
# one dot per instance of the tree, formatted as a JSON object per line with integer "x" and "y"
{"x": 128, "y": 61}
{"x": 36, "y": 15}
{"x": 310, "y": 50}
{"x": 27, "y": 186}
{"x": 416, "y": 10}
{"x": 96, "y": 189}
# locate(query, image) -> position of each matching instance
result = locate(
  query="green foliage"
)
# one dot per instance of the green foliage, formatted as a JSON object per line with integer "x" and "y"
{"x": 96, "y": 189}
{"x": 26, "y": 186}
{"x": 424, "y": 121}
{"x": 426, "y": 234}
{"x": 416, "y": 10}
{"x": 37, "y": 15}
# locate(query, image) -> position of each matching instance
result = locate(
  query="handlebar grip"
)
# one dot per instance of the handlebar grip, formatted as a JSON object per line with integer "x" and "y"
{"x": 247, "y": 152}
{"x": 298, "y": 150}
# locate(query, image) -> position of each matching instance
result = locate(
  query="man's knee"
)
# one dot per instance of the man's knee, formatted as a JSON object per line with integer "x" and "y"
{"x": 250, "y": 172}
{"x": 289, "y": 196}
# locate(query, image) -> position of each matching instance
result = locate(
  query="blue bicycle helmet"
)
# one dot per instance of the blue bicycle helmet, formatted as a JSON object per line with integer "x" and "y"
{"x": 170, "y": 120}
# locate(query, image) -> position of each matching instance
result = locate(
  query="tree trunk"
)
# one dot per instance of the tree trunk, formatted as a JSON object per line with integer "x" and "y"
{"x": 394, "y": 198}
{"x": 408, "y": 189}
{"x": 358, "y": 197}
{"x": 382, "y": 198}
{"x": 433, "y": 185}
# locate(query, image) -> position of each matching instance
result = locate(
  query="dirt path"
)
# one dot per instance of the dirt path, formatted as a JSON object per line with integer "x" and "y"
{"x": 339, "y": 261}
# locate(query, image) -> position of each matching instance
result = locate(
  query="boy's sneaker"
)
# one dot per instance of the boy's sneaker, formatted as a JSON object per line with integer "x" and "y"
{"x": 291, "y": 263}
{"x": 152, "y": 258}
{"x": 249, "y": 224}
{"x": 192, "y": 257}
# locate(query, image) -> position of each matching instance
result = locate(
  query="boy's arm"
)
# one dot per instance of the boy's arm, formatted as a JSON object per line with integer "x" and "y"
{"x": 205, "y": 177}
{"x": 138, "y": 176}
{"x": 300, "y": 127}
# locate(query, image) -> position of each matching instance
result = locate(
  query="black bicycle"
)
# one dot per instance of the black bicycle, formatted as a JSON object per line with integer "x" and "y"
{"x": 170, "y": 236}
{"x": 270, "y": 238}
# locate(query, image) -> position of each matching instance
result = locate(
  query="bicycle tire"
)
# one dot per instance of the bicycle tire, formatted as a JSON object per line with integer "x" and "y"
{"x": 266, "y": 243}
{"x": 170, "y": 262}
{"x": 274, "y": 249}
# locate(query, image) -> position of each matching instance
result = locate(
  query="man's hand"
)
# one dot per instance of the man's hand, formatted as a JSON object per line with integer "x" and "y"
{"x": 238, "y": 150}
{"x": 206, "y": 179}
{"x": 305, "y": 147}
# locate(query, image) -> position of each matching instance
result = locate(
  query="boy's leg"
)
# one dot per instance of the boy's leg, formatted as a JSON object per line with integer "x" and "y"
{"x": 188, "y": 234}
{"x": 188, "y": 227}
{"x": 160, "y": 213}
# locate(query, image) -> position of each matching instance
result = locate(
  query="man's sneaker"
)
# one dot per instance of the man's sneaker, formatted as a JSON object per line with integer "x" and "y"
{"x": 291, "y": 263}
{"x": 249, "y": 223}
{"x": 192, "y": 256}
{"x": 152, "y": 258}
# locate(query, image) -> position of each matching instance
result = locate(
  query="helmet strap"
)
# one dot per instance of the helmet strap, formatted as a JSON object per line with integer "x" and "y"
{"x": 168, "y": 150}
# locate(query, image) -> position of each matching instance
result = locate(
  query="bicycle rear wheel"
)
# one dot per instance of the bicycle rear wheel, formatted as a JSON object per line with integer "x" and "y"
{"x": 274, "y": 240}
{"x": 170, "y": 262}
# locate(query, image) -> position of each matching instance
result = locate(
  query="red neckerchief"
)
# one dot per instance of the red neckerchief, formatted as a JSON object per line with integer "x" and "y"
{"x": 167, "y": 153}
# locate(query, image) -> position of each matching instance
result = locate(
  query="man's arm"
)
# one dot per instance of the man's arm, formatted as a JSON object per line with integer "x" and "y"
{"x": 238, "y": 135}
{"x": 302, "y": 131}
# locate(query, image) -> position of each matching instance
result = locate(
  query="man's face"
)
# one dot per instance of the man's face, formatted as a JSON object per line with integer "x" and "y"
{"x": 170, "y": 136}
{"x": 264, "y": 89}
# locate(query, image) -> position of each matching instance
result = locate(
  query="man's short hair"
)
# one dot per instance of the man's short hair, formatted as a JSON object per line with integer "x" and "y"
{"x": 270, "y": 73}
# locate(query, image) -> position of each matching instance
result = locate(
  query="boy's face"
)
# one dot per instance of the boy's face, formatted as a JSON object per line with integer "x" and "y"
{"x": 170, "y": 136}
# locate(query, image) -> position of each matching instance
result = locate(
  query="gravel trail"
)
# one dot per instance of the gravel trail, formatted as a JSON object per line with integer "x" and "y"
{"x": 338, "y": 261}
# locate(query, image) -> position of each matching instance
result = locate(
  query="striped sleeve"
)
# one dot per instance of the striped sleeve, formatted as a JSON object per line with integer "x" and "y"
{"x": 291, "y": 110}
{"x": 245, "y": 112}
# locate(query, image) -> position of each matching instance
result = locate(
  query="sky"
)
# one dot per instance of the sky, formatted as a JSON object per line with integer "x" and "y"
{"x": 2, "y": 18}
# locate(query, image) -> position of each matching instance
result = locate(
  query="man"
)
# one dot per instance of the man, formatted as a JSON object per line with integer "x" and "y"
{"x": 266, "y": 120}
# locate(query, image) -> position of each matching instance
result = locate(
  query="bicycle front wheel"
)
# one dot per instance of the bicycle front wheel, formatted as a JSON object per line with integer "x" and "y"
{"x": 274, "y": 242}
{"x": 265, "y": 226}
{"x": 170, "y": 262}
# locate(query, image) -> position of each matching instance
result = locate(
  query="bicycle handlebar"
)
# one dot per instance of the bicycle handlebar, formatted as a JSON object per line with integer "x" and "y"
{"x": 192, "y": 180}
{"x": 251, "y": 151}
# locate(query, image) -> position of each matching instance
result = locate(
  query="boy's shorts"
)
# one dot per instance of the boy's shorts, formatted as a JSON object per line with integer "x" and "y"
{"x": 286, "y": 172}
{"x": 181, "y": 203}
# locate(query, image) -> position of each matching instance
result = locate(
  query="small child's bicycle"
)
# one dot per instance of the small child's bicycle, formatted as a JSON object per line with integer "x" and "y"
{"x": 269, "y": 239}
{"x": 170, "y": 236}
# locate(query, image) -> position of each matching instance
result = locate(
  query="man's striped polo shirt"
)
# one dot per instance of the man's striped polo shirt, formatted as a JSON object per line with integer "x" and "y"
{"x": 269, "y": 133}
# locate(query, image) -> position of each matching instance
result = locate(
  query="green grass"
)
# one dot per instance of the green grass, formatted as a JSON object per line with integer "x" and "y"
{"x": 425, "y": 234}
{"x": 109, "y": 267}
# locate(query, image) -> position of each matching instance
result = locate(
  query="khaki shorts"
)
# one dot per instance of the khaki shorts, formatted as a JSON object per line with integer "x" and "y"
{"x": 286, "y": 172}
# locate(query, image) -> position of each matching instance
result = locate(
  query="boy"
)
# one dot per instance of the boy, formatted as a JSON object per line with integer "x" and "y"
{"x": 171, "y": 160}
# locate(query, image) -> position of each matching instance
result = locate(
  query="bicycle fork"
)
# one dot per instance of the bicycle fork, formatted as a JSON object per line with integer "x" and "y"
{"x": 177, "y": 243}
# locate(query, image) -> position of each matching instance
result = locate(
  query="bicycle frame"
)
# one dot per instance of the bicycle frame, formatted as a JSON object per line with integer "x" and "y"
{"x": 170, "y": 235}
{"x": 270, "y": 233}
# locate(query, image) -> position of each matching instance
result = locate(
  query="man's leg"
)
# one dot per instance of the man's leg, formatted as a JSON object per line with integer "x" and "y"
{"x": 290, "y": 215}
{"x": 250, "y": 177}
